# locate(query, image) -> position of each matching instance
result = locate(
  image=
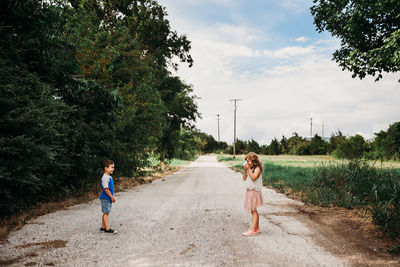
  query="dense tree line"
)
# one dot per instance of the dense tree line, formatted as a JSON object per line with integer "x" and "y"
{"x": 385, "y": 146}
{"x": 82, "y": 81}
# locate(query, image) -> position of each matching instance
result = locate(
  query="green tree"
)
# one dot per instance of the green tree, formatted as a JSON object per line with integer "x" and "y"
{"x": 264, "y": 150}
{"x": 318, "y": 146}
{"x": 274, "y": 147}
{"x": 187, "y": 146}
{"x": 240, "y": 146}
{"x": 109, "y": 54}
{"x": 298, "y": 145}
{"x": 181, "y": 111}
{"x": 303, "y": 148}
{"x": 284, "y": 144}
{"x": 212, "y": 144}
{"x": 83, "y": 81}
{"x": 369, "y": 32}
{"x": 253, "y": 146}
{"x": 53, "y": 121}
{"x": 229, "y": 150}
{"x": 387, "y": 143}
{"x": 129, "y": 46}
{"x": 353, "y": 148}
{"x": 335, "y": 140}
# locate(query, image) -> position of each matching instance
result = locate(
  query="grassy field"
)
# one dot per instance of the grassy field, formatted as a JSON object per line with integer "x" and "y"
{"x": 302, "y": 161}
{"x": 325, "y": 181}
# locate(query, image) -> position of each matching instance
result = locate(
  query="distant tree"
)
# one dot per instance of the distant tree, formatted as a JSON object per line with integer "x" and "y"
{"x": 186, "y": 148}
{"x": 253, "y": 146}
{"x": 369, "y": 32}
{"x": 228, "y": 150}
{"x": 274, "y": 147}
{"x": 240, "y": 147}
{"x": 180, "y": 111}
{"x": 298, "y": 145}
{"x": 318, "y": 146}
{"x": 303, "y": 148}
{"x": 353, "y": 148}
{"x": 212, "y": 144}
{"x": 335, "y": 140}
{"x": 387, "y": 143}
{"x": 264, "y": 150}
{"x": 284, "y": 145}
{"x": 221, "y": 146}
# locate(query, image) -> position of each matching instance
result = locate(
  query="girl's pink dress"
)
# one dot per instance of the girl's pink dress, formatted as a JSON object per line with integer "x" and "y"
{"x": 253, "y": 198}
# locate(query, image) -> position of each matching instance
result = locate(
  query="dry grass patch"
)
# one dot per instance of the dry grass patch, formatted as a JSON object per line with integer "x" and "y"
{"x": 46, "y": 244}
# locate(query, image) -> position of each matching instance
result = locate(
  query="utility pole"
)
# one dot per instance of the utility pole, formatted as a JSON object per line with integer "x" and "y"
{"x": 323, "y": 125}
{"x": 311, "y": 128}
{"x": 218, "y": 127}
{"x": 234, "y": 126}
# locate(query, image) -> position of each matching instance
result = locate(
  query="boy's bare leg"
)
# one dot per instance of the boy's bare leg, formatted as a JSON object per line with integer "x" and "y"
{"x": 104, "y": 221}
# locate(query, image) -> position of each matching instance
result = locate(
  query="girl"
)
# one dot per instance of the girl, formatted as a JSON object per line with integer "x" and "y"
{"x": 253, "y": 199}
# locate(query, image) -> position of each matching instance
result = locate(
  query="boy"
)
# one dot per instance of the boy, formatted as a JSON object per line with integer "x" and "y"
{"x": 107, "y": 195}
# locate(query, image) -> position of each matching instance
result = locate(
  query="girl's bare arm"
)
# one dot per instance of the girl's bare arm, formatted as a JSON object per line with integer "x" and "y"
{"x": 254, "y": 174}
{"x": 244, "y": 175}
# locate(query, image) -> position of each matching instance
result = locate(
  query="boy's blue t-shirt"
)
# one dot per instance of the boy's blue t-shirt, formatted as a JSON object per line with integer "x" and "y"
{"x": 106, "y": 182}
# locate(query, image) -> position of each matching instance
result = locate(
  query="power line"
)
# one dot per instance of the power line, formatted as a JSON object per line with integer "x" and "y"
{"x": 234, "y": 126}
{"x": 218, "y": 127}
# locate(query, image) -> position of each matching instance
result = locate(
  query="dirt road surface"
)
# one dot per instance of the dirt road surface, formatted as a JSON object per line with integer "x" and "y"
{"x": 194, "y": 217}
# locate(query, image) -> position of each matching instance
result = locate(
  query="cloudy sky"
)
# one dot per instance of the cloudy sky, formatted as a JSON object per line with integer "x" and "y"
{"x": 267, "y": 53}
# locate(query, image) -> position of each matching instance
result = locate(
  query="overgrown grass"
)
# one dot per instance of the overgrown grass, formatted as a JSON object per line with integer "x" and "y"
{"x": 224, "y": 157}
{"x": 352, "y": 184}
{"x": 179, "y": 162}
{"x": 175, "y": 162}
{"x": 357, "y": 184}
{"x": 292, "y": 180}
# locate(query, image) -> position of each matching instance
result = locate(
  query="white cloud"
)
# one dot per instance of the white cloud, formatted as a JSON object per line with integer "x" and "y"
{"x": 290, "y": 51}
{"x": 233, "y": 33}
{"x": 280, "y": 88}
{"x": 302, "y": 39}
{"x": 197, "y": 2}
{"x": 227, "y": 50}
{"x": 296, "y": 6}
{"x": 279, "y": 104}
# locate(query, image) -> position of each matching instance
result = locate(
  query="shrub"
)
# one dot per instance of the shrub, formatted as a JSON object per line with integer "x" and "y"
{"x": 352, "y": 185}
{"x": 357, "y": 184}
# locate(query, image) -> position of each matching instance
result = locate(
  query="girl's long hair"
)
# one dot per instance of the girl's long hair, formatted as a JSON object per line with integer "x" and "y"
{"x": 256, "y": 161}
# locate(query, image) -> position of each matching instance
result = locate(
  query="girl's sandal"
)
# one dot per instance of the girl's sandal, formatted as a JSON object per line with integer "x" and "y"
{"x": 250, "y": 233}
{"x": 258, "y": 231}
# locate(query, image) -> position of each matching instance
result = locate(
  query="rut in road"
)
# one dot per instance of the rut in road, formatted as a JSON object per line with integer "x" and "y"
{"x": 193, "y": 217}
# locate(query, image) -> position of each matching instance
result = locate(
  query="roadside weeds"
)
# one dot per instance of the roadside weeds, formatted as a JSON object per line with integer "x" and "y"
{"x": 347, "y": 233}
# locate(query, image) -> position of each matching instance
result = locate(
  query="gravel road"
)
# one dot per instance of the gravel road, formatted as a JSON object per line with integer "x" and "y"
{"x": 192, "y": 217}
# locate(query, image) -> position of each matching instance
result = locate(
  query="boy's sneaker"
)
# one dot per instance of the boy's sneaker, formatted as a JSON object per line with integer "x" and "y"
{"x": 110, "y": 231}
{"x": 102, "y": 229}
